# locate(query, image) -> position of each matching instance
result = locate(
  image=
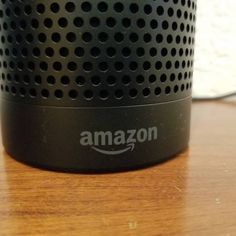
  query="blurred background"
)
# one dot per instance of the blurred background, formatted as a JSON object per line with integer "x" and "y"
{"x": 215, "y": 54}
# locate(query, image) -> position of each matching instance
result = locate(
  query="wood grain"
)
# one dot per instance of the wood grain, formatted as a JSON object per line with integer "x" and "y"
{"x": 193, "y": 194}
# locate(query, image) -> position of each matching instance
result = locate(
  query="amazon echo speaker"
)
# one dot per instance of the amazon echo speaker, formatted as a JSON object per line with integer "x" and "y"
{"x": 96, "y": 85}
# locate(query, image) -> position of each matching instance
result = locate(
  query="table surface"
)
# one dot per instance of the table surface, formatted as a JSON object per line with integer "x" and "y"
{"x": 192, "y": 194}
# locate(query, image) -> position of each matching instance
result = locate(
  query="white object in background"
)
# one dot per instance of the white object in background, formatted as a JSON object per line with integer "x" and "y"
{"x": 215, "y": 53}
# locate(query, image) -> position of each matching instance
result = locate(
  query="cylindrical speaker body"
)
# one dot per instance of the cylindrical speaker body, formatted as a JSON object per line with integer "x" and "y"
{"x": 96, "y": 85}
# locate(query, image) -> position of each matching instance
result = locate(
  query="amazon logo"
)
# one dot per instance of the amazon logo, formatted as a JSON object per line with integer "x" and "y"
{"x": 117, "y": 142}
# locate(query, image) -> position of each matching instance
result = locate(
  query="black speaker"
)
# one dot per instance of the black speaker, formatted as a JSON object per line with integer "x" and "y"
{"x": 96, "y": 85}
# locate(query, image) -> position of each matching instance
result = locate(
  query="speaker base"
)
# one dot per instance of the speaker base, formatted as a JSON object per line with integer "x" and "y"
{"x": 95, "y": 139}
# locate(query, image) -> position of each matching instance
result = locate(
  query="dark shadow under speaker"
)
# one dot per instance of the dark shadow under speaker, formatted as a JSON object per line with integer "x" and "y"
{"x": 96, "y": 85}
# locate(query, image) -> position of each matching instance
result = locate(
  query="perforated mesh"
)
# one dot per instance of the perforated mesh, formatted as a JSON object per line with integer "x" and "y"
{"x": 96, "y": 53}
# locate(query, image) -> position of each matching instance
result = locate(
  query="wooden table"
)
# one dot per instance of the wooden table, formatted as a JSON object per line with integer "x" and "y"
{"x": 193, "y": 194}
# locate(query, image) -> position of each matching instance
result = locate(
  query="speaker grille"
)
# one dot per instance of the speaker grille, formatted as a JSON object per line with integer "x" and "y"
{"x": 96, "y": 53}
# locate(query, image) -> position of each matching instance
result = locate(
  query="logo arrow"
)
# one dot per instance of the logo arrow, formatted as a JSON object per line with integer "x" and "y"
{"x": 130, "y": 147}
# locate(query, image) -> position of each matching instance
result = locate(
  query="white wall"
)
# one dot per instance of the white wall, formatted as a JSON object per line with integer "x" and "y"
{"x": 215, "y": 54}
